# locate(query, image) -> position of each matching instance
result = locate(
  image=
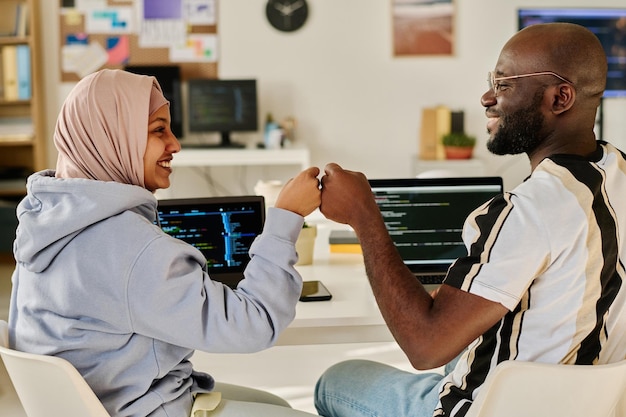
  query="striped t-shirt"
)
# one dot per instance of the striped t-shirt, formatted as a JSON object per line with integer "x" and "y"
{"x": 552, "y": 251}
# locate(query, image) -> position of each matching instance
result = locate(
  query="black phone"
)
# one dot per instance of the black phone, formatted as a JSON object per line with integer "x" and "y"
{"x": 314, "y": 291}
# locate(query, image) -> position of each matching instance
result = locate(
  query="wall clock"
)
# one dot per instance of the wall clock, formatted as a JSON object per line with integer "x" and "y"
{"x": 287, "y": 15}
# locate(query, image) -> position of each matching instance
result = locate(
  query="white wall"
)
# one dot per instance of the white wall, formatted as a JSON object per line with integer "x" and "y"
{"x": 356, "y": 104}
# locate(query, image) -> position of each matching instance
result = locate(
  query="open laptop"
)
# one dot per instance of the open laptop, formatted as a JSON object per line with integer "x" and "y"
{"x": 222, "y": 228}
{"x": 425, "y": 217}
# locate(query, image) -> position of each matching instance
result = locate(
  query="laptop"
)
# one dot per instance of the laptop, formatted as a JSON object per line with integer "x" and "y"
{"x": 222, "y": 228}
{"x": 425, "y": 217}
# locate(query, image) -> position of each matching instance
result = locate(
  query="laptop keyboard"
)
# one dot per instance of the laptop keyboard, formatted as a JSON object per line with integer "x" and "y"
{"x": 431, "y": 279}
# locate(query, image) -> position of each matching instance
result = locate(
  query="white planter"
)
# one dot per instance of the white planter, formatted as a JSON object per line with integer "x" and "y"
{"x": 305, "y": 245}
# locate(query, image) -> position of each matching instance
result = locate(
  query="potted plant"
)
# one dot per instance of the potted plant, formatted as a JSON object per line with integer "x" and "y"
{"x": 458, "y": 145}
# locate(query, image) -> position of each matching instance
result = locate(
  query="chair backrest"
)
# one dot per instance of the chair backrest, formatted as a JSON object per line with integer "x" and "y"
{"x": 48, "y": 385}
{"x": 517, "y": 389}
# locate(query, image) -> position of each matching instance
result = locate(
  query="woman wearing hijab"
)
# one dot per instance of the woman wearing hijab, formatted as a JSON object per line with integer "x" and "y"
{"x": 100, "y": 285}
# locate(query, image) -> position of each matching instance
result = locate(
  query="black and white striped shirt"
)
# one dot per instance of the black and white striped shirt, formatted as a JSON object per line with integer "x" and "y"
{"x": 552, "y": 251}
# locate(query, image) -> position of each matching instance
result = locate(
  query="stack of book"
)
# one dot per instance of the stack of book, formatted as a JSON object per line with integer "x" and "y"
{"x": 436, "y": 123}
{"x": 16, "y": 72}
{"x": 14, "y": 20}
{"x": 16, "y": 129}
{"x": 344, "y": 241}
{"x": 15, "y": 79}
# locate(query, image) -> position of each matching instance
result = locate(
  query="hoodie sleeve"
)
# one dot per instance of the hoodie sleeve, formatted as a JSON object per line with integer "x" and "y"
{"x": 170, "y": 298}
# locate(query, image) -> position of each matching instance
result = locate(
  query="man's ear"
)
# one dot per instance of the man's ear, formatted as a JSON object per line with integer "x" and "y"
{"x": 564, "y": 98}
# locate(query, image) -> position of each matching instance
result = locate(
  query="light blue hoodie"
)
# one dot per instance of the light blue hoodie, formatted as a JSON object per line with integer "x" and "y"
{"x": 100, "y": 285}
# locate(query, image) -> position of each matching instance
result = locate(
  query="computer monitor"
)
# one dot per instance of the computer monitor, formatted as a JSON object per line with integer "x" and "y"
{"x": 222, "y": 228}
{"x": 223, "y": 106}
{"x": 609, "y": 25}
{"x": 168, "y": 77}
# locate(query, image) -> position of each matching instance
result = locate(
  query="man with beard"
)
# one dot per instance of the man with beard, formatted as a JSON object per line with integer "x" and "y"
{"x": 543, "y": 276}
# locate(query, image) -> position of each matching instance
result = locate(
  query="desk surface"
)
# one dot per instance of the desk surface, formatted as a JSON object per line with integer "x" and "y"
{"x": 351, "y": 316}
{"x": 190, "y": 157}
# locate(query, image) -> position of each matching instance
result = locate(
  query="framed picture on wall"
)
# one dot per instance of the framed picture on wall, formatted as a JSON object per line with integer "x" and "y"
{"x": 423, "y": 27}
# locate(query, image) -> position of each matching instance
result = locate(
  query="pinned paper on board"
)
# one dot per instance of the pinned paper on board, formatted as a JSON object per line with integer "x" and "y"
{"x": 118, "y": 50}
{"x": 164, "y": 33}
{"x": 197, "y": 48}
{"x": 117, "y": 33}
{"x": 73, "y": 19}
{"x": 162, "y": 23}
{"x": 77, "y": 39}
{"x": 162, "y": 9}
{"x": 109, "y": 20}
{"x": 200, "y": 12}
{"x": 81, "y": 59}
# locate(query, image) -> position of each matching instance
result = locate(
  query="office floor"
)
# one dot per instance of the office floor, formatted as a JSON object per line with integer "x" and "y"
{"x": 288, "y": 371}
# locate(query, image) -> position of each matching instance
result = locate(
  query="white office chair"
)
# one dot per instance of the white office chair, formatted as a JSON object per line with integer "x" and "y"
{"x": 51, "y": 386}
{"x": 523, "y": 389}
{"x": 48, "y": 385}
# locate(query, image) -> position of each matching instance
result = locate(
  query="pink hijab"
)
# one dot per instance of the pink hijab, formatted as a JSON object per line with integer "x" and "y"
{"x": 102, "y": 129}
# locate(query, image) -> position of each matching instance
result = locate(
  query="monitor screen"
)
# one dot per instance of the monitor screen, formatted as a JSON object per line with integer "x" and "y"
{"x": 425, "y": 216}
{"x": 168, "y": 77}
{"x": 222, "y": 228}
{"x": 222, "y": 106}
{"x": 609, "y": 25}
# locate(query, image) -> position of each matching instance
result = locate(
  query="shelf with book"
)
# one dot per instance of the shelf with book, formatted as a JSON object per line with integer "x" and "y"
{"x": 16, "y": 18}
{"x": 22, "y": 132}
{"x": 12, "y": 188}
{"x": 13, "y": 40}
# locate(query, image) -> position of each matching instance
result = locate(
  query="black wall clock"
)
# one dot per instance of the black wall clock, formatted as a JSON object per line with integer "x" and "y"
{"x": 287, "y": 15}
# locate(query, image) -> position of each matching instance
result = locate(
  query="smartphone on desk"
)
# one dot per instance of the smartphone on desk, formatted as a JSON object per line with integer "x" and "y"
{"x": 314, "y": 291}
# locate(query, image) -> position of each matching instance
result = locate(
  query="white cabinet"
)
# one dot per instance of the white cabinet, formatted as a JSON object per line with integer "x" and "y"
{"x": 449, "y": 168}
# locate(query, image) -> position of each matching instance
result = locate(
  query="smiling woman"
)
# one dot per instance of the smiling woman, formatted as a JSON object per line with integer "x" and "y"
{"x": 114, "y": 102}
{"x": 157, "y": 161}
{"x": 115, "y": 286}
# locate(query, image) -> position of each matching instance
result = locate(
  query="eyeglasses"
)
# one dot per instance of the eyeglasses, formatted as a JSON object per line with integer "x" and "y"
{"x": 493, "y": 80}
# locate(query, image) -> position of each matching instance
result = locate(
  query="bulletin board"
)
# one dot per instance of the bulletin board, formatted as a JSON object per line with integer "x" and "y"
{"x": 97, "y": 34}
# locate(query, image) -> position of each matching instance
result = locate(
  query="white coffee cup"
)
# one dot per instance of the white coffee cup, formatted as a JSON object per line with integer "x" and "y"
{"x": 268, "y": 189}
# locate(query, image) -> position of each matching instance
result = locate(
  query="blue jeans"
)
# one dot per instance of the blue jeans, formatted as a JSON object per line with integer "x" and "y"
{"x": 370, "y": 389}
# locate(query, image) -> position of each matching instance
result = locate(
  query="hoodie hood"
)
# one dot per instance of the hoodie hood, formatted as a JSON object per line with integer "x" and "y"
{"x": 55, "y": 210}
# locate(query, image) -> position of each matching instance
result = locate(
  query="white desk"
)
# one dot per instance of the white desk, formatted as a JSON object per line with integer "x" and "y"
{"x": 450, "y": 167}
{"x": 296, "y": 158}
{"x": 351, "y": 316}
{"x": 207, "y": 157}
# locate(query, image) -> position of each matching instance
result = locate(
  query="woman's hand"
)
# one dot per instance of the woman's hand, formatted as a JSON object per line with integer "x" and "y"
{"x": 301, "y": 194}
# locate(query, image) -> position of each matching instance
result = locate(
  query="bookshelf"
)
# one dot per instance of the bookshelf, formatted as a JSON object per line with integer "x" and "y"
{"x": 22, "y": 130}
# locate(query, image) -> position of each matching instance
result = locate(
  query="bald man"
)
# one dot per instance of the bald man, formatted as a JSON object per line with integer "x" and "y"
{"x": 543, "y": 277}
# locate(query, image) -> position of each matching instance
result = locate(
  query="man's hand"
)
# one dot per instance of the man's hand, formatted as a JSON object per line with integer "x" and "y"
{"x": 347, "y": 197}
{"x": 301, "y": 194}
